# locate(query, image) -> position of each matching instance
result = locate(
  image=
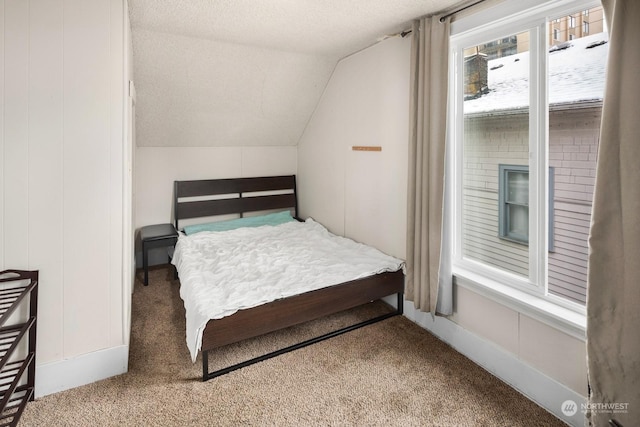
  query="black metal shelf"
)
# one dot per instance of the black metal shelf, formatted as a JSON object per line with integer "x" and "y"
{"x": 16, "y": 388}
{"x": 15, "y": 406}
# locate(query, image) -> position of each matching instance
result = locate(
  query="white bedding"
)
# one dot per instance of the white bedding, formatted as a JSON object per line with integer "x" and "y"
{"x": 223, "y": 272}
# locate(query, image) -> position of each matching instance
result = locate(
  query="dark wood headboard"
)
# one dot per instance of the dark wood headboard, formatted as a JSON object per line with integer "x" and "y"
{"x": 241, "y": 195}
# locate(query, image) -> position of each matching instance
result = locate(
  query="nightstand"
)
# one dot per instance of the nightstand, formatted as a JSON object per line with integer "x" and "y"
{"x": 155, "y": 236}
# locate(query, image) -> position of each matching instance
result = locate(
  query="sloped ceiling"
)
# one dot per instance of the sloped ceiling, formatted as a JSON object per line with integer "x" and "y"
{"x": 247, "y": 72}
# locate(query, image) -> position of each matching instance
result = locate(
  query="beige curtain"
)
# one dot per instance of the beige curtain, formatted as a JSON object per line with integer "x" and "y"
{"x": 428, "y": 119}
{"x": 613, "y": 300}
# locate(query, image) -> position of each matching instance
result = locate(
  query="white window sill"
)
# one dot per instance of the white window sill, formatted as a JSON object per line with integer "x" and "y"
{"x": 564, "y": 319}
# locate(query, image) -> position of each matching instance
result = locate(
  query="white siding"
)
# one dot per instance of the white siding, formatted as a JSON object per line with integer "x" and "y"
{"x": 573, "y": 147}
{"x": 573, "y": 151}
{"x": 489, "y": 142}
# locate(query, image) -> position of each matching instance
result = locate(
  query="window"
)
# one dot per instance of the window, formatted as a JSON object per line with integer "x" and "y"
{"x": 572, "y": 36}
{"x": 572, "y": 21}
{"x": 513, "y": 204}
{"x": 525, "y": 129}
{"x": 509, "y": 51}
{"x": 585, "y": 27}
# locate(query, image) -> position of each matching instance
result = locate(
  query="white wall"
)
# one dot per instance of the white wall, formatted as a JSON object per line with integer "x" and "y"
{"x": 156, "y": 168}
{"x": 128, "y": 196}
{"x": 208, "y": 109}
{"x": 362, "y": 195}
{"x": 61, "y": 145}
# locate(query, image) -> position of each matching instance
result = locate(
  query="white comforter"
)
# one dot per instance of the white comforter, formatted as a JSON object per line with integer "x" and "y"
{"x": 223, "y": 272}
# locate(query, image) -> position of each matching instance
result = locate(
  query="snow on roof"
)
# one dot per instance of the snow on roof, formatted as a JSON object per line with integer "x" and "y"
{"x": 576, "y": 74}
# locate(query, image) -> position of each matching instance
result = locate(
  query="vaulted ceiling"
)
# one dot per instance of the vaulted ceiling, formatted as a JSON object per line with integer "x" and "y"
{"x": 247, "y": 72}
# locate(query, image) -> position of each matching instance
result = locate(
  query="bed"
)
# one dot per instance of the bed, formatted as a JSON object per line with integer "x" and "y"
{"x": 210, "y": 326}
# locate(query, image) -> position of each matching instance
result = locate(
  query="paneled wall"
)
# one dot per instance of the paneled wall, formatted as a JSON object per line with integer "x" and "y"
{"x": 360, "y": 194}
{"x": 61, "y": 151}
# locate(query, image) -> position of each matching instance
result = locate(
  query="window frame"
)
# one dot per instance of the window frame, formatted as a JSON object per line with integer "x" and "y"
{"x": 528, "y": 295}
{"x": 537, "y": 37}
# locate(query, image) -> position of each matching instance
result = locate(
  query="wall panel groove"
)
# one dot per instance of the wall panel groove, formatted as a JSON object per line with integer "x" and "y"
{"x": 61, "y": 179}
{"x": 46, "y": 170}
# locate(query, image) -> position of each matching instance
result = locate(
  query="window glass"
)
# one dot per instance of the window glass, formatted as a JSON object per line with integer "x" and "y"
{"x": 525, "y": 171}
{"x": 518, "y": 187}
{"x": 496, "y": 117}
{"x": 514, "y": 203}
{"x": 576, "y": 87}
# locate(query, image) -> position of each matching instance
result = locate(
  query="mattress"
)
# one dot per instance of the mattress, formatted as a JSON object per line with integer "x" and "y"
{"x": 223, "y": 272}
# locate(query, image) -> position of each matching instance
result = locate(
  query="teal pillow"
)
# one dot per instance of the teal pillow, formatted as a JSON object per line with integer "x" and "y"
{"x": 251, "y": 221}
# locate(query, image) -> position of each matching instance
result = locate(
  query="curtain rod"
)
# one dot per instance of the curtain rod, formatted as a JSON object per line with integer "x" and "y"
{"x": 405, "y": 33}
{"x": 459, "y": 10}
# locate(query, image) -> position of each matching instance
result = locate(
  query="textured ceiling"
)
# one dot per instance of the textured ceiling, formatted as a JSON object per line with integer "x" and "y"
{"x": 247, "y": 72}
{"x": 198, "y": 92}
{"x": 321, "y": 27}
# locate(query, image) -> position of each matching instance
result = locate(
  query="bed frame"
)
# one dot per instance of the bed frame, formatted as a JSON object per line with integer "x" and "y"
{"x": 239, "y": 196}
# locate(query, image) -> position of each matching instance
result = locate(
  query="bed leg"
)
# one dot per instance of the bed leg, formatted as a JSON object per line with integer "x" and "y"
{"x": 205, "y": 365}
{"x": 400, "y": 308}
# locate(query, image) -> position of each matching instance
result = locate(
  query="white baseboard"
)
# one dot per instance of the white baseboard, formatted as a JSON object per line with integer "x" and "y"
{"x": 538, "y": 387}
{"x": 85, "y": 369}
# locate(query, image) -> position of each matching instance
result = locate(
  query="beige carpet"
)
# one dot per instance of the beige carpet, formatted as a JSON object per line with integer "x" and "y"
{"x": 391, "y": 373}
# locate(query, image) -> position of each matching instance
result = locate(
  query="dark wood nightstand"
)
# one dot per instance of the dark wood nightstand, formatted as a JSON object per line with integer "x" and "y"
{"x": 155, "y": 236}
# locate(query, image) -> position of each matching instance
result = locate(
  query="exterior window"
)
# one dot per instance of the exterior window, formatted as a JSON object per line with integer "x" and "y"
{"x": 572, "y": 21}
{"x": 510, "y": 51}
{"x": 525, "y": 133}
{"x": 585, "y": 12}
{"x": 513, "y": 202}
{"x": 556, "y": 34}
{"x": 585, "y": 27}
{"x": 572, "y": 36}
